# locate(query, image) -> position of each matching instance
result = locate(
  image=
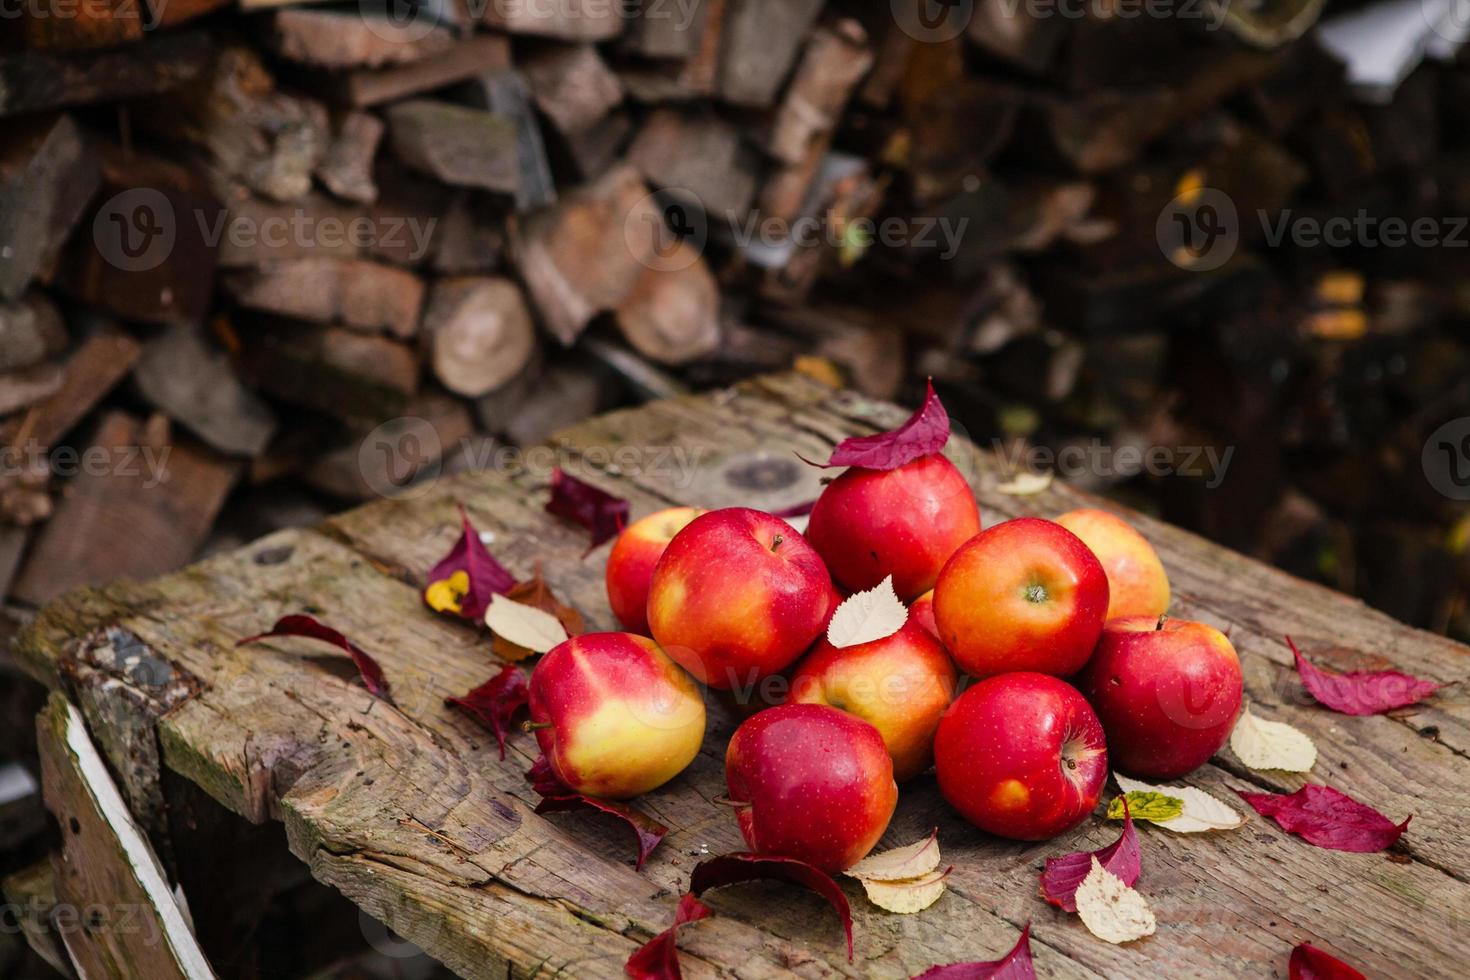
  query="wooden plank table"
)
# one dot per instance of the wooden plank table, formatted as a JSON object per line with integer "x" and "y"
{"x": 411, "y": 814}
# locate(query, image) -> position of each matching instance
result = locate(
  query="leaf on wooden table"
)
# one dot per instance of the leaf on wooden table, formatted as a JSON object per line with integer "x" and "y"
{"x": 908, "y": 895}
{"x": 1026, "y": 484}
{"x": 1111, "y": 910}
{"x": 524, "y": 626}
{"x": 464, "y": 580}
{"x": 867, "y": 616}
{"x": 536, "y": 593}
{"x": 1202, "y": 812}
{"x": 1362, "y": 692}
{"x": 372, "y": 675}
{"x": 495, "y": 702}
{"x": 658, "y": 959}
{"x": 1062, "y": 875}
{"x": 1310, "y": 963}
{"x": 592, "y": 507}
{"x": 898, "y": 863}
{"x": 1262, "y": 744}
{"x": 795, "y": 510}
{"x": 1015, "y": 965}
{"x": 557, "y": 797}
{"x": 732, "y": 869}
{"x": 925, "y": 432}
{"x": 1153, "y": 807}
{"x": 1328, "y": 818}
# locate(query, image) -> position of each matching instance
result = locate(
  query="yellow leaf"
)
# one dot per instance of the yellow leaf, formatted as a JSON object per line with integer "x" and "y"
{"x": 867, "y": 616}
{"x": 1262, "y": 744}
{"x": 523, "y": 625}
{"x": 1025, "y": 484}
{"x": 446, "y": 594}
{"x": 899, "y": 863}
{"x": 1112, "y": 911}
{"x": 908, "y": 896}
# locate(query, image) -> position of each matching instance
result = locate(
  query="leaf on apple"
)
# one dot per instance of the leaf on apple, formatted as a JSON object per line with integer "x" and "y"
{"x": 536, "y": 593}
{"x": 908, "y": 895}
{"x": 1015, "y": 965}
{"x": 1026, "y": 484}
{"x": 1362, "y": 692}
{"x": 658, "y": 959}
{"x": 557, "y": 797}
{"x": 1062, "y": 875}
{"x": 495, "y": 702}
{"x": 1262, "y": 744}
{"x": 524, "y": 626}
{"x": 592, "y": 507}
{"x": 1202, "y": 812}
{"x": 732, "y": 869}
{"x": 1153, "y": 807}
{"x": 372, "y": 675}
{"x": 925, "y": 432}
{"x": 1110, "y": 909}
{"x": 899, "y": 863}
{"x": 464, "y": 580}
{"x": 1329, "y": 818}
{"x": 864, "y": 617}
{"x": 1310, "y": 963}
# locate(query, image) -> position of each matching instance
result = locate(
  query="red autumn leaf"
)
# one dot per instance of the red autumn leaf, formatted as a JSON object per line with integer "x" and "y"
{"x": 732, "y": 869}
{"x": 596, "y": 510}
{"x": 658, "y": 959}
{"x": 1062, "y": 875}
{"x": 795, "y": 510}
{"x": 557, "y": 797}
{"x": 483, "y": 576}
{"x": 926, "y": 432}
{"x": 1015, "y": 965}
{"x": 1310, "y": 963}
{"x": 1328, "y": 818}
{"x": 1362, "y": 692}
{"x": 496, "y": 701}
{"x": 372, "y": 675}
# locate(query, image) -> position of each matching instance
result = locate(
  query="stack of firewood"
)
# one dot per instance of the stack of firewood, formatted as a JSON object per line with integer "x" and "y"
{"x": 237, "y": 238}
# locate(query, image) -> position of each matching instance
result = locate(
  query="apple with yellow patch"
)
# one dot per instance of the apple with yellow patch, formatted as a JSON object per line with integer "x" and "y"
{"x": 614, "y": 716}
{"x": 737, "y": 596}
{"x": 900, "y": 684}
{"x": 1137, "y": 582}
{"x": 1022, "y": 756}
{"x": 632, "y": 560}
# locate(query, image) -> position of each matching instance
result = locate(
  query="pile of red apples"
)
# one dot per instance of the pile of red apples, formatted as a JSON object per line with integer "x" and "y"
{"x": 1059, "y": 627}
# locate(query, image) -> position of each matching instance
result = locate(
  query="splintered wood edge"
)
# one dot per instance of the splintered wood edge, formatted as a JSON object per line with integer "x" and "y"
{"x": 66, "y": 722}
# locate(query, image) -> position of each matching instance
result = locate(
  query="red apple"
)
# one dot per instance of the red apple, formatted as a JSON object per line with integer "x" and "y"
{"x": 1023, "y": 595}
{"x": 921, "y": 611}
{"x": 737, "y": 596}
{"x": 614, "y": 716}
{"x": 1166, "y": 692}
{"x": 1022, "y": 756}
{"x": 904, "y": 522}
{"x": 1137, "y": 582}
{"x": 900, "y": 685}
{"x": 634, "y": 555}
{"x": 810, "y": 782}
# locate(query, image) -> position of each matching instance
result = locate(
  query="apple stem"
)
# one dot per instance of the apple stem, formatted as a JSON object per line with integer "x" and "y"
{"x": 534, "y": 726}
{"x": 776, "y": 542}
{"x": 1160, "y": 624}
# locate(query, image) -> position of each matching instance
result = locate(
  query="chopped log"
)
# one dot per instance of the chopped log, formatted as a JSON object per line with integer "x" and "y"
{"x": 702, "y": 70}
{"x": 394, "y": 455}
{"x": 31, "y": 331}
{"x": 700, "y": 155}
{"x": 864, "y": 344}
{"x": 172, "y": 13}
{"x": 92, "y": 370}
{"x": 32, "y": 81}
{"x": 470, "y": 238}
{"x": 54, "y": 25}
{"x": 568, "y": 390}
{"x": 894, "y": 46}
{"x": 655, "y": 84}
{"x": 48, "y": 171}
{"x": 507, "y": 93}
{"x": 456, "y": 145}
{"x": 835, "y": 61}
{"x": 1000, "y": 217}
{"x": 257, "y": 231}
{"x": 666, "y": 30}
{"x": 594, "y": 150}
{"x": 953, "y": 123}
{"x": 408, "y": 214}
{"x": 759, "y": 46}
{"x": 672, "y": 314}
{"x": 347, "y": 167}
{"x": 26, "y": 386}
{"x": 182, "y": 374}
{"x": 466, "y": 59}
{"x": 479, "y": 333}
{"x": 573, "y": 86}
{"x": 139, "y": 505}
{"x": 342, "y": 373}
{"x": 357, "y": 293}
{"x": 584, "y": 255}
{"x": 566, "y": 20}
{"x": 337, "y": 39}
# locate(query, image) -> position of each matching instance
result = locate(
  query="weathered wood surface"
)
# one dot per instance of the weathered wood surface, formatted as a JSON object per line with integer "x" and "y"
{"x": 411, "y": 814}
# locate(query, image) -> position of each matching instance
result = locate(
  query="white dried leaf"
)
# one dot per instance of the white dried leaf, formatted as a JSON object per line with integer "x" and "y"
{"x": 908, "y": 896}
{"x": 1202, "y": 811}
{"x": 1112, "y": 911}
{"x": 525, "y": 626}
{"x": 1026, "y": 484}
{"x": 867, "y": 616}
{"x": 899, "y": 863}
{"x": 1262, "y": 744}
